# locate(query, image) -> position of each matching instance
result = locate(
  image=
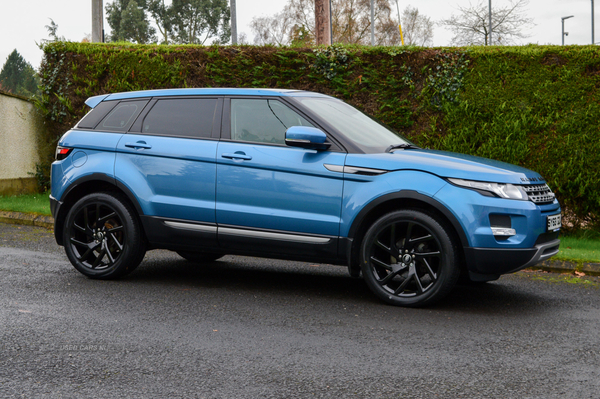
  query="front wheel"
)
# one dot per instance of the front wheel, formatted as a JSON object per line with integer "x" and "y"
{"x": 409, "y": 259}
{"x": 102, "y": 236}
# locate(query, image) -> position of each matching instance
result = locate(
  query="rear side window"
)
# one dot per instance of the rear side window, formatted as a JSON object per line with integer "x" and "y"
{"x": 185, "y": 117}
{"x": 91, "y": 120}
{"x": 122, "y": 116}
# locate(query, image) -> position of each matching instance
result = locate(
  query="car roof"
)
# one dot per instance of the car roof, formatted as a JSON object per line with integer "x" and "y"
{"x": 93, "y": 101}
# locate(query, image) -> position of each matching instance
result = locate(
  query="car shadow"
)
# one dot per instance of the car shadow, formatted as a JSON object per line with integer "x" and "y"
{"x": 324, "y": 282}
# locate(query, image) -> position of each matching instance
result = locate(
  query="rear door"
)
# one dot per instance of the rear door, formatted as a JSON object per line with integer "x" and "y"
{"x": 168, "y": 161}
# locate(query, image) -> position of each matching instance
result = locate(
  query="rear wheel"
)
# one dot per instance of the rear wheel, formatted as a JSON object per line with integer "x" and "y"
{"x": 102, "y": 237}
{"x": 409, "y": 259}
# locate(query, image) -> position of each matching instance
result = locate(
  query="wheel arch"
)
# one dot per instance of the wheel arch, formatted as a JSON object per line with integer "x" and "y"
{"x": 96, "y": 182}
{"x": 405, "y": 199}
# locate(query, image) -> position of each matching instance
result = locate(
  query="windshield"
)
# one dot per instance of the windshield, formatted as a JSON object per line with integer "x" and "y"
{"x": 367, "y": 133}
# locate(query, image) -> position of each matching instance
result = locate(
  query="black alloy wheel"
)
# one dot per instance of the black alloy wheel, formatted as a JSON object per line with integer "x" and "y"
{"x": 102, "y": 237}
{"x": 409, "y": 259}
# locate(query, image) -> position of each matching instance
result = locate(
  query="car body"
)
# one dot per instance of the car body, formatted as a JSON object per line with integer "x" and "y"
{"x": 293, "y": 175}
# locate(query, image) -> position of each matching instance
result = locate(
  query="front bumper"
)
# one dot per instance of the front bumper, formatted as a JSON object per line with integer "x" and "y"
{"x": 494, "y": 261}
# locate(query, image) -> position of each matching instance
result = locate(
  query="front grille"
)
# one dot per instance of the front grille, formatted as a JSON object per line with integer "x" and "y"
{"x": 539, "y": 193}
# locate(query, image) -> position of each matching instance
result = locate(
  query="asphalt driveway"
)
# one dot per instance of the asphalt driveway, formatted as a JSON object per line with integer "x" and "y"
{"x": 253, "y": 328}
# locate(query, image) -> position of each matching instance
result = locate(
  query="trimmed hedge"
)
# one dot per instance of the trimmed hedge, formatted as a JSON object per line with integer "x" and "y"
{"x": 536, "y": 106}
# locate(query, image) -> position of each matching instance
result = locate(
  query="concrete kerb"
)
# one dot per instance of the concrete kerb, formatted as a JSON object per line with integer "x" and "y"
{"x": 556, "y": 266}
{"x": 562, "y": 266}
{"x": 27, "y": 219}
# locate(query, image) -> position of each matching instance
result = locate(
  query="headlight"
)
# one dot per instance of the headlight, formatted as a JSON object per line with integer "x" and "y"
{"x": 509, "y": 191}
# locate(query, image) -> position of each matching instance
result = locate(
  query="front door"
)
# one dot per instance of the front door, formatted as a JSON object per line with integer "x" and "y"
{"x": 271, "y": 197}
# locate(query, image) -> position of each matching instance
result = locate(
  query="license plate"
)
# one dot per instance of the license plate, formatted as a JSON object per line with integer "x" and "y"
{"x": 554, "y": 222}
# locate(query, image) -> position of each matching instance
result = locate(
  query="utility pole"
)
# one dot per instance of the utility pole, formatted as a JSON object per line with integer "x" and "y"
{"x": 97, "y": 22}
{"x": 233, "y": 22}
{"x": 322, "y": 22}
{"x": 399, "y": 23}
{"x": 490, "y": 21}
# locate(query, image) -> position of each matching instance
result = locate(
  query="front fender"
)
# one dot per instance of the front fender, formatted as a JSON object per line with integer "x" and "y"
{"x": 362, "y": 194}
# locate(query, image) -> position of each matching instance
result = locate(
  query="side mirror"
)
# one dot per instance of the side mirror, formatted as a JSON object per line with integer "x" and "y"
{"x": 306, "y": 137}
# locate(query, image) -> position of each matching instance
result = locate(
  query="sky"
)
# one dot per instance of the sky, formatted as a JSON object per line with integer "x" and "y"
{"x": 23, "y": 23}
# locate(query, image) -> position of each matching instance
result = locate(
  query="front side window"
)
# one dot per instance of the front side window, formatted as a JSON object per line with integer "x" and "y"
{"x": 262, "y": 121}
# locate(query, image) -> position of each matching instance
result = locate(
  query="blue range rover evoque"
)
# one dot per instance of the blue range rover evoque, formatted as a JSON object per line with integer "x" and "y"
{"x": 292, "y": 175}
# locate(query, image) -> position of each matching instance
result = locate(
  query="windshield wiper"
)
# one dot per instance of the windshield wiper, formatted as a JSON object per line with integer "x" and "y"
{"x": 405, "y": 146}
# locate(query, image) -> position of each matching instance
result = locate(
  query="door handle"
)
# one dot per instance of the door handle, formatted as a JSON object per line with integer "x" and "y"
{"x": 138, "y": 145}
{"x": 236, "y": 155}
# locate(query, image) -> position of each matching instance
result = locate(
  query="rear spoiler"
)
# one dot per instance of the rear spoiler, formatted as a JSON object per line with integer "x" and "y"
{"x": 93, "y": 101}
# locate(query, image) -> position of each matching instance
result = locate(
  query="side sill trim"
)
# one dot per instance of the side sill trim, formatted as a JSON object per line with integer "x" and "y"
{"x": 191, "y": 226}
{"x": 273, "y": 236}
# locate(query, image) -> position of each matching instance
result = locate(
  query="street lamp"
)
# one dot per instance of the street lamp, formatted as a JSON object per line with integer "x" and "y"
{"x": 563, "y": 28}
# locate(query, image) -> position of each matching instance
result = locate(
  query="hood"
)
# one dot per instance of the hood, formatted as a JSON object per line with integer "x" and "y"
{"x": 447, "y": 164}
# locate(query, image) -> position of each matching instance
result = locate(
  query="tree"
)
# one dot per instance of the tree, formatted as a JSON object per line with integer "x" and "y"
{"x": 163, "y": 17}
{"x": 471, "y": 25}
{"x": 350, "y": 19}
{"x": 417, "y": 29}
{"x": 52, "y": 29}
{"x": 272, "y": 30}
{"x": 128, "y": 21}
{"x": 198, "y": 20}
{"x": 135, "y": 25}
{"x": 18, "y": 76}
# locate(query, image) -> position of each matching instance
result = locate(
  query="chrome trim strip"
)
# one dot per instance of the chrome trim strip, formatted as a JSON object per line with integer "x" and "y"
{"x": 334, "y": 168}
{"x": 354, "y": 170}
{"x": 363, "y": 171}
{"x": 503, "y": 232}
{"x": 274, "y": 236}
{"x": 192, "y": 226}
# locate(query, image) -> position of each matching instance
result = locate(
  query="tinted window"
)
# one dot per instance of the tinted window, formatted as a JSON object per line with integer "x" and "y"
{"x": 262, "y": 121}
{"x": 123, "y": 115}
{"x": 189, "y": 117}
{"x": 96, "y": 115}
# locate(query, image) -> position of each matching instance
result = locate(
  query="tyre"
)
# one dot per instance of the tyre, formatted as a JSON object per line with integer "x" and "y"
{"x": 409, "y": 259}
{"x": 102, "y": 236}
{"x": 200, "y": 257}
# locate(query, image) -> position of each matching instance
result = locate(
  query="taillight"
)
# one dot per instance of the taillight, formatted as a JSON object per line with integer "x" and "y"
{"x": 62, "y": 152}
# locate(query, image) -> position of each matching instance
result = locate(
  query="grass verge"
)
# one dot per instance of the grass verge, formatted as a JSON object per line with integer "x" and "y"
{"x": 579, "y": 249}
{"x": 26, "y": 203}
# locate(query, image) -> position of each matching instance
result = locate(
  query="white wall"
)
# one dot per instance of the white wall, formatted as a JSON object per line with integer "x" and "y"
{"x": 18, "y": 145}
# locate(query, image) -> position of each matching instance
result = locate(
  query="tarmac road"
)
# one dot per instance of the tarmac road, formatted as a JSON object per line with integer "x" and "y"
{"x": 254, "y": 328}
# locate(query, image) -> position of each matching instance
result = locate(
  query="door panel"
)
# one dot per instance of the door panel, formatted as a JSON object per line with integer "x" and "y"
{"x": 172, "y": 177}
{"x": 278, "y": 188}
